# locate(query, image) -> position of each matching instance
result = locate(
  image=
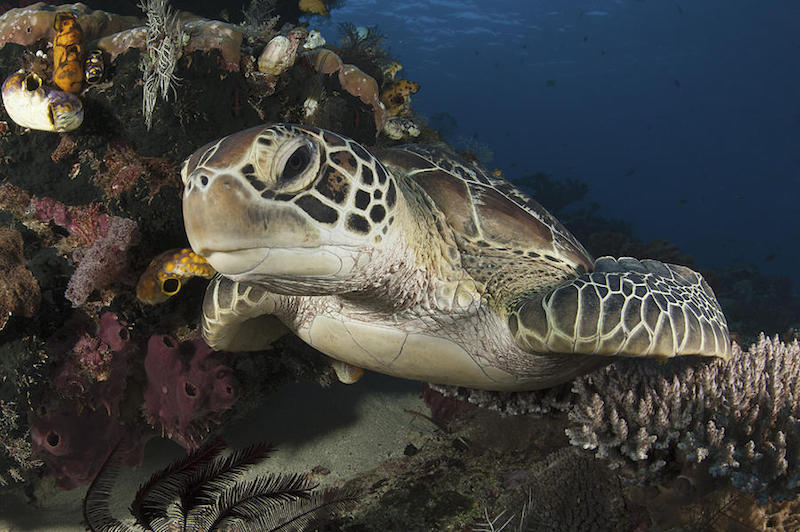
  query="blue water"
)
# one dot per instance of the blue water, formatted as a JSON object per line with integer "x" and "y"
{"x": 683, "y": 117}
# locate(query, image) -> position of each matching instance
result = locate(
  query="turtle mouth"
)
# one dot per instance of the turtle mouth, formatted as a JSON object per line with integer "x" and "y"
{"x": 236, "y": 261}
{"x": 261, "y": 263}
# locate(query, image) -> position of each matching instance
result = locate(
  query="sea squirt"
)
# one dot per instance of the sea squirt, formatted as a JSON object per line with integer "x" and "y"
{"x": 30, "y": 104}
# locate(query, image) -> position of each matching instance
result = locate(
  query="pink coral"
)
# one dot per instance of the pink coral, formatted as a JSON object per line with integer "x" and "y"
{"x": 107, "y": 238}
{"x": 187, "y": 388}
{"x": 104, "y": 262}
{"x": 93, "y": 367}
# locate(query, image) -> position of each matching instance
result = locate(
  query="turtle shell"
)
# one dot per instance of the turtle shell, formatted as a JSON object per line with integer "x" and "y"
{"x": 486, "y": 210}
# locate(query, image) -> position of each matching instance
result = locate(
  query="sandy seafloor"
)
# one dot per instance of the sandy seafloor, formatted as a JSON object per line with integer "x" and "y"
{"x": 346, "y": 429}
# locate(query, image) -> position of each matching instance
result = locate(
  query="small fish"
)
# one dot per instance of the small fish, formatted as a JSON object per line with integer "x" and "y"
{"x": 677, "y": 83}
{"x": 682, "y": 202}
{"x": 770, "y": 257}
{"x": 165, "y": 274}
{"x": 680, "y": 9}
{"x": 585, "y": 38}
{"x": 630, "y": 172}
{"x": 550, "y": 83}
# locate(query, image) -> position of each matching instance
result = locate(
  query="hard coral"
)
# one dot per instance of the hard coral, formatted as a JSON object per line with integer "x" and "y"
{"x": 19, "y": 290}
{"x": 187, "y": 388}
{"x": 737, "y": 419}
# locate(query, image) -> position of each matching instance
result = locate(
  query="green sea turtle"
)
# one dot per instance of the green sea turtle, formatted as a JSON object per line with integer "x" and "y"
{"x": 415, "y": 263}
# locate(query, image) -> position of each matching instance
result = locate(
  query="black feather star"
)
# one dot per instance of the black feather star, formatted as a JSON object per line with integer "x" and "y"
{"x": 206, "y": 491}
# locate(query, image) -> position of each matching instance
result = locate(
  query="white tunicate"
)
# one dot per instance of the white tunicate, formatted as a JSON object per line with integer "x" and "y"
{"x": 278, "y": 56}
{"x": 314, "y": 40}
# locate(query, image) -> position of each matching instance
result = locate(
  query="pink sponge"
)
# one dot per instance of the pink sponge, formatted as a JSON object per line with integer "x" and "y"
{"x": 94, "y": 366}
{"x": 187, "y": 388}
{"x": 74, "y": 445}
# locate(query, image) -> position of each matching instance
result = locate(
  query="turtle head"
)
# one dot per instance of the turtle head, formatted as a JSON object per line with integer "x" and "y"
{"x": 291, "y": 204}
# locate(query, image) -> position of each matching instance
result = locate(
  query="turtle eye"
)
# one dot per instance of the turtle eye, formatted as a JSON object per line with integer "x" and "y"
{"x": 296, "y": 163}
{"x": 171, "y": 286}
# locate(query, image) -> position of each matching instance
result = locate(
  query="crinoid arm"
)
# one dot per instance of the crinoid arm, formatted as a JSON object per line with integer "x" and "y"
{"x": 238, "y": 317}
{"x": 625, "y": 307}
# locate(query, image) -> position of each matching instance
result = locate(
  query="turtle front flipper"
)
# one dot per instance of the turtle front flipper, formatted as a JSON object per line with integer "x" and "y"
{"x": 625, "y": 307}
{"x": 238, "y": 316}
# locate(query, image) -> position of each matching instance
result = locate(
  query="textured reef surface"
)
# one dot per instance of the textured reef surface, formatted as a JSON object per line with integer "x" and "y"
{"x": 89, "y": 372}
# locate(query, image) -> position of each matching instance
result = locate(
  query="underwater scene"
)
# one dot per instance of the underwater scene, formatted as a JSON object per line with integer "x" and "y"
{"x": 425, "y": 265}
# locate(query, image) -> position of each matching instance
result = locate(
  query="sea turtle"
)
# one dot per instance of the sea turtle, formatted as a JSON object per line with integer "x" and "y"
{"x": 415, "y": 263}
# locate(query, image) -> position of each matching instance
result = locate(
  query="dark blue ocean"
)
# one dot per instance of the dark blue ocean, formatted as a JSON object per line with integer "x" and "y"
{"x": 682, "y": 117}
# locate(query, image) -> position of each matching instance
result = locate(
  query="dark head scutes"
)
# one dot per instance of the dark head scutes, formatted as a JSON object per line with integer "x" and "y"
{"x": 352, "y": 189}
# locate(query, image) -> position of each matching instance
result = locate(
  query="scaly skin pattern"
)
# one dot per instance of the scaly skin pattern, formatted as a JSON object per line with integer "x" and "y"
{"x": 417, "y": 265}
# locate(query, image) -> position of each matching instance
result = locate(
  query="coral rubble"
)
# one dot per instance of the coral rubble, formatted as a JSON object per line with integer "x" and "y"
{"x": 19, "y": 290}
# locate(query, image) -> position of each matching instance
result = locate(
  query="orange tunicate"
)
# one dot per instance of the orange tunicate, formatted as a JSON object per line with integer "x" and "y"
{"x": 397, "y": 96}
{"x": 313, "y": 7}
{"x": 68, "y": 53}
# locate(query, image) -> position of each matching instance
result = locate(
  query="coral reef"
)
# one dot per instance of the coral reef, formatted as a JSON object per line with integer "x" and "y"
{"x": 398, "y": 127}
{"x": 396, "y": 96}
{"x": 104, "y": 262}
{"x": 259, "y": 19}
{"x": 27, "y": 25}
{"x": 738, "y": 419}
{"x": 363, "y": 47}
{"x": 92, "y": 366}
{"x": 123, "y": 168}
{"x": 572, "y": 492}
{"x": 73, "y": 443}
{"x": 79, "y": 421}
{"x": 164, "y": 40}
{"x": 352, "y": 80}
{"x": 280, "y": 52}
{"x": 19, "y": 290}
{"x": 313, "y": 7}
{"x": 187, "y": 388}
{"x": 15, "y": 446}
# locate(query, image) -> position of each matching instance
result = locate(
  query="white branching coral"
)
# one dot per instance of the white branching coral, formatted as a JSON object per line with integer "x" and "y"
{"x": 740, "y": 419}
{"x": 164, "y": 43}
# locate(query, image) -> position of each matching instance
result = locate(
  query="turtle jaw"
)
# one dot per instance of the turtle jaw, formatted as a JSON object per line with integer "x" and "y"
{"x": 273, "y": 264}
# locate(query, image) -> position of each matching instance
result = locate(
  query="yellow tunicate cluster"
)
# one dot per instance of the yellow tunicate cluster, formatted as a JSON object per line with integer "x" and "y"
{"x": 396, "y": 97}
{"x": 165, "y": 274}
{"x": 313, "y": 7}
